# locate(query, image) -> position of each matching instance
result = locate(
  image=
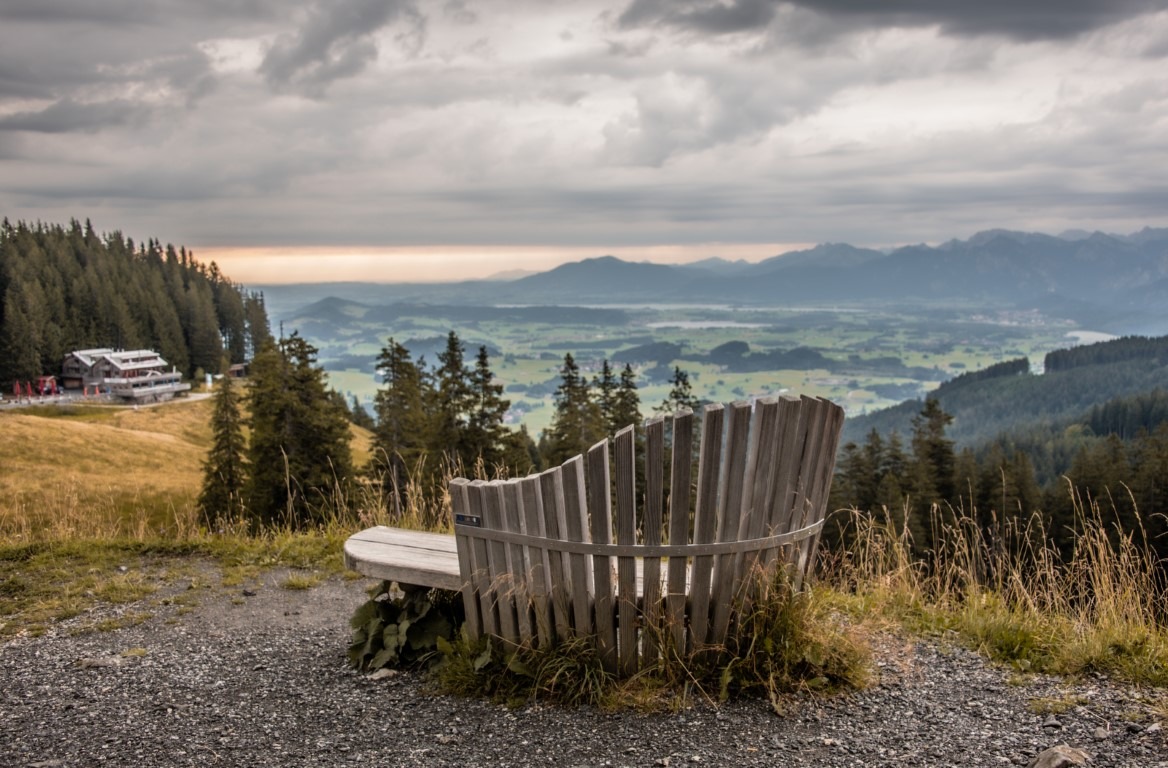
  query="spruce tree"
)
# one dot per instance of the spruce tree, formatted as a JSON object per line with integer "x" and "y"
{"x": 451, "y": 402}
{"x": 225, "y": 470}
{"x": 680, "y": 394}
{"x": 605, "y": 386}
{"x": 933, "y": 472}
{"x": 485, "y": 431}
{"x": 402, "y": 431}
{"x": 299, "y": 448}
{"x": 626, "y": 407}
{"x": 577, "y": 424}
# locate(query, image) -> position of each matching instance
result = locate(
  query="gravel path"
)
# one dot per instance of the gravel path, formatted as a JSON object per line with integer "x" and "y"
{"x": 262, "y": 681}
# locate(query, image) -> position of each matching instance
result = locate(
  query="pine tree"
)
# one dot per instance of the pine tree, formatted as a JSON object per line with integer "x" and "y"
{"x": 933, "y": 471}
{"x": 627, "y": 403}
{"x": 605, "y": 387}
{"x": 577, "y": 424}
{"x": 402, "y": 431}
{"x": 299, "y": 448}
{"x": 257, "y": 331}
{"x": 225, "y": 470}
{"x": 680, "y": 394}
{"x": 485, "y": 431}
{"x": 450, "y": 405}
{"x": 933, "y": 455}
{"x": 519, "y": 452}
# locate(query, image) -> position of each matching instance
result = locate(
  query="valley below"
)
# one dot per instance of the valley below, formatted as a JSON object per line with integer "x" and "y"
{"x": 864, "y": 357}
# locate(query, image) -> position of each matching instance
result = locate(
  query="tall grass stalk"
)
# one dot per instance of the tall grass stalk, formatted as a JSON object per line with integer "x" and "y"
{"x": 1006, "y": 589}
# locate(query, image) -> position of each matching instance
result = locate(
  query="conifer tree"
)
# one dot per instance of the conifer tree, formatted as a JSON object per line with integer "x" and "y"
{"x": 577, "y": 424}
{"x": 626, "y": 408}
{"x": 933, "y": 455}
{"x": 680, "y": 394}
{"x": 605, "y": 386}
{"x": 485, "y": 431}
{"x": 299, "y": 448}
{"x": 225, "y": 470}
{"x": 451, "y": 401}
{"x": 932, "y": 470}
{"x": 401, "y": 434}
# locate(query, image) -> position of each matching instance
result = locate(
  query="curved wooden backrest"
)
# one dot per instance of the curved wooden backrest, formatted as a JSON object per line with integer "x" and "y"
{"x": 580, "y": 550}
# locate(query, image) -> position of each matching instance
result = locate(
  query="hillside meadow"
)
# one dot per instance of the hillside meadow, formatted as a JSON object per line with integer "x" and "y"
{"x": 90, "y": 470}
{"x": 102, "y": 470}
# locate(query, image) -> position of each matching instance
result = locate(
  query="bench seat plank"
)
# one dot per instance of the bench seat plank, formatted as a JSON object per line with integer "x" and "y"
{"x": 404, "y": 556}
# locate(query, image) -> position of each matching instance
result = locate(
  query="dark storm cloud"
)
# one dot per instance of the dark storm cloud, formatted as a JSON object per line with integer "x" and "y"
{"x": 335, "y": 42}
{"x": 68, "y": 116}
{"x": 137, "y": 13}
{"x": 1011, "y": 18}
{"x": 700, "y": 15}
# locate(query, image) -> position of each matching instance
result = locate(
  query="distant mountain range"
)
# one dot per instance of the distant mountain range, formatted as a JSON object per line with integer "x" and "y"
{"x": 1109, "y": 282}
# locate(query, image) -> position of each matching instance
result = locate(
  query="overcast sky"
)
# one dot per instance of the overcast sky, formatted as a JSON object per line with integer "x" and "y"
{"x": 405, "y": 140}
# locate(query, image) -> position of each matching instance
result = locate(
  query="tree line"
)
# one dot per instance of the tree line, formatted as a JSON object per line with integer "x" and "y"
{"x": 1116, "y": 454}
{"x": 67, "y": 288}
{"x": 433, "y": 422}
{"x": 1008, "y": 398}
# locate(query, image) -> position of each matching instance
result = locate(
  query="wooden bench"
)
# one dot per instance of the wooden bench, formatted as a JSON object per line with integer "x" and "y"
{"x": 570, "y": 553}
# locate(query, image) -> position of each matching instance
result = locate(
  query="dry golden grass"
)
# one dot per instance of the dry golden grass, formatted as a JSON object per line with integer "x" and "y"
{"x": 87, "y": 491}
{"x": 100, "y": 472}
{"x": 1017, "y": 599}
{"x": 108, "y": 472}
{"x": 361, "y": 445}
{"x": 157, "y": 448}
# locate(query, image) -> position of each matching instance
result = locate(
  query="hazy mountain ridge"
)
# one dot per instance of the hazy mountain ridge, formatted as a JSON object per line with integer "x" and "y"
{"x": 1117, "y": 283}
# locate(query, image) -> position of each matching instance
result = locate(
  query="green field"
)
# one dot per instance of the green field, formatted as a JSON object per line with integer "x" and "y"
{"x": 872, "y": 357}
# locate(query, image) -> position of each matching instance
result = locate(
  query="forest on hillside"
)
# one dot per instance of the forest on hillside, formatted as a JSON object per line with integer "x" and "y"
{"x": 1004, "y": 443}
{"x": 67, "y": 288}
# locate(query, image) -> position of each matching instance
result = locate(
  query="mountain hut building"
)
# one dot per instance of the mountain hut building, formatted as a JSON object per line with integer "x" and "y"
{"x": 136, "y": 376}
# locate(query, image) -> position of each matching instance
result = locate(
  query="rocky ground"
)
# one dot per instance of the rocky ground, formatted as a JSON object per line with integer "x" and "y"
{"x": 261, "y": 680}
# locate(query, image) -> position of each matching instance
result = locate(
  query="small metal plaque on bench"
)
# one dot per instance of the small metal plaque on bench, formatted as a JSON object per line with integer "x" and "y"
{"x": 474, "y": 521}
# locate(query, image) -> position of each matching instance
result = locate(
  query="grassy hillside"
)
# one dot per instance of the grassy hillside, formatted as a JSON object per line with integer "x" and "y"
{"x": 88, "y": 469}
{"x": 97, "y": 471}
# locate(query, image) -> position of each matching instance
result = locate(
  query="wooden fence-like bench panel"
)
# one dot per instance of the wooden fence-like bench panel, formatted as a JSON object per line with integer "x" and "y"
{"x": 652, "y": 523}
{"x": 561, "y": 554}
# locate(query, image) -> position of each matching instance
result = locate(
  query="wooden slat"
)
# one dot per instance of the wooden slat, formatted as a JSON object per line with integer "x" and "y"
{"x": 537, "y": 559}
{"x": 793, "y": 431}
{"x": 679, "y": 496}
{"x": 624, "y": 446}
{"x": 551, "y": 487}
{"x": 404, "y": 564}
{"x": 733, "y": 502}
{"x": 600, "y": 514}
{"x": 651, "y": 533}
{"x": 460, "y": 505}
{"x": 705, "y": 521}
{"x": 829, "y": 420}
{"x": 764, "y": 437}
{"x": 812, "y": 448}
{"x": 501, "y": 581}
{"x": 484, "y": 584}
{"x": 517, "y": 565}
{"x": 437, "y": 542}
{"x": 576, "y": 528}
